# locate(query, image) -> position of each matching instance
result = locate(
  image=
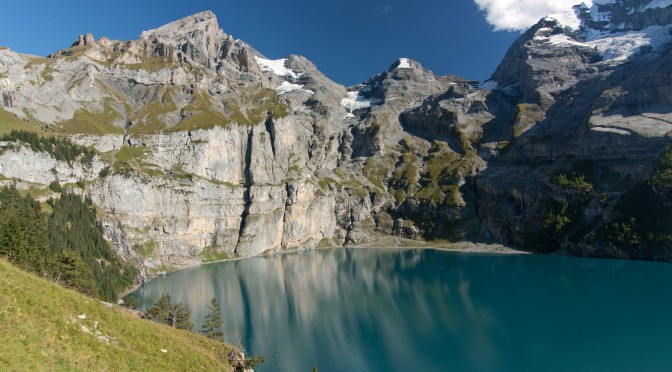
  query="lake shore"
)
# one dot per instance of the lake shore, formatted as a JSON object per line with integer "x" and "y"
{"x": 465, "y": 247}
{"x": 385, "y": 242}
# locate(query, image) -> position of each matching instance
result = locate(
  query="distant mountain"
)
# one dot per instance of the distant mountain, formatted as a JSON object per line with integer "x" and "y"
{"x": 207, "y": 149}
{"x": 592, "y": 117}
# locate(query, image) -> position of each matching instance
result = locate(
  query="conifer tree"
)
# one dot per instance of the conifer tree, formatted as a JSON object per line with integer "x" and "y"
{"x": 212, "y": 325}
{"x": 163, "y": 311}
{"x": 179, "y": 317}
{"x": 160, "y": 312}
{"x": 75, "y": 273}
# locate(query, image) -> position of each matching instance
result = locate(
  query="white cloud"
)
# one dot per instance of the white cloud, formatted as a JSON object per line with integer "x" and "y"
{"x": 513, "y": 15}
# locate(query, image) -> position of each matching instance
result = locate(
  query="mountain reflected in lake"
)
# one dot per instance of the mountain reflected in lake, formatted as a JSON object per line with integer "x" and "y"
{"x": 400, "y": 310}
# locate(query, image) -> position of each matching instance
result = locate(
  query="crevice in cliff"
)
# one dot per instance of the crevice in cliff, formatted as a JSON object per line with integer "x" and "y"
{"x": 248, "y": 184}
{"x": 270, "y": 128}
{"x": 289, "y": 201}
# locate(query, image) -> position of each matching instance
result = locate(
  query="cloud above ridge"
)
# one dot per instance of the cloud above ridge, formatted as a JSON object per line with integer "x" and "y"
{"x": 518, "y": 15}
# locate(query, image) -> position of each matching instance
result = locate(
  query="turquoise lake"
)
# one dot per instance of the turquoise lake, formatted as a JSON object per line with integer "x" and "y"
{"x": 428, "y": 310}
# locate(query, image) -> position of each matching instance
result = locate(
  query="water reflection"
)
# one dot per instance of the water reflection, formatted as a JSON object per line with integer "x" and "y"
{"x": 399, "y": 310}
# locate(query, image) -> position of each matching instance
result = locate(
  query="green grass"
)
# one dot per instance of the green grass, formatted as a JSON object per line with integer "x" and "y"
{"x": 202, "y": 115}
{"x": 210, "y": 254}
{"x": 202, "y": 120}
{"x": 249, "y": 107}
{"x": 528, "y": 114}
{"x": 149, "y": 118}
{"x": 152, "y": 64}
{"x": 324, "y": 183}
{"x": 131, "y": 160}
{"x": 9, "y": 122}
{"x": 376, "y": 170}
{"x": 96, "y": 123}
{"x": 146, "y": 249}
{"x": 572, "y": 180}
{"x": 40, "y": 330}
{"x": 130, "y": 153}
{"x": 405, "y": 177}
{"x": 47, "y": 73}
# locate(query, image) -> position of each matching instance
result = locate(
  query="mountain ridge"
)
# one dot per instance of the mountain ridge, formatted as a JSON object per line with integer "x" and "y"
{"x": 216, "y": 151}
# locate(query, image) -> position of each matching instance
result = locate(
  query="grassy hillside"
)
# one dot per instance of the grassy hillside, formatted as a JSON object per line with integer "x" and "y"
{"x": 46, "y": 327}
{"x": 9, "y": 122}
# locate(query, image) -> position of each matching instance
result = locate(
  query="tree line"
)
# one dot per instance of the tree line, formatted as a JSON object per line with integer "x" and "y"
{"x": 66, "y": 245}
{"x": 178, "y": 316}
{"x": 60, "y": 148}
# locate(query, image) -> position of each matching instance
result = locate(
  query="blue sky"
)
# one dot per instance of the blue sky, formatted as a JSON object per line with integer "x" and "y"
{"x": 349, "y": 40}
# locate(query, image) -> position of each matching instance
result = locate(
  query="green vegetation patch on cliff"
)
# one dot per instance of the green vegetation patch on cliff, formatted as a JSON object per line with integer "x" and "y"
{"x": 547, "y": 229}
{"x": 146, "y": 249}
{"x": 405, "y": 177}
{"x": 528, "y": 114}
{"x": 572, "y": 180}
{"x": 210, "y": 254}
{"x": 148, "y": 118}
{"x": 642, "y": 226}
{"x": 96, "y": 123}
{"x": 60, "y": 148}
{"x": 130, "y": 160}
{"x": 152, "y": 64}
{"x": 248, "y": 106}
{"x": 46, "y": 327}
{"x": 440, "y": 176}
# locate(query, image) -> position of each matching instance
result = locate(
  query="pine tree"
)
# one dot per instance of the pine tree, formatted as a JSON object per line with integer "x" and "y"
{"x": 160, "y": 312}
{"x": 75, "y": 273}
{"x": 212, "y": 325}
{"x": 163, "y": 311}
{"x": 131, "y": 302}
{"x": 179, "y": 317}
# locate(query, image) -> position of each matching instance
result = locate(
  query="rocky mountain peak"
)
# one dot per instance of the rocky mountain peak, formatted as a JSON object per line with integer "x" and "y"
{"x": 199, "y": 24}
{"x": 565, "y": 47}
{"x": 624, "y": 15}
{"x": 84, "y": 40}
{"x": 196, "y": 37}
{"x": 404, "y": 63}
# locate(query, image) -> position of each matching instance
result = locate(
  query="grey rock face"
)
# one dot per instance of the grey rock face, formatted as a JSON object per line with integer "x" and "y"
{"x": 602, "y": 119}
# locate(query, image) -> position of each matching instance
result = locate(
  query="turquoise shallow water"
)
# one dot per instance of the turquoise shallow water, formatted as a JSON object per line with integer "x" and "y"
{"x": 425, "y": 310}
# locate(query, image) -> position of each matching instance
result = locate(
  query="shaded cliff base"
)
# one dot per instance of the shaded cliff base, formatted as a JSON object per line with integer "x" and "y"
{"x": 392, "y": 242}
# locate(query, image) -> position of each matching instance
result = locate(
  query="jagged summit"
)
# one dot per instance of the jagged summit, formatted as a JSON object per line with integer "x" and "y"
{"x": 608, "y": 16}
{"x": 186, "y": 28}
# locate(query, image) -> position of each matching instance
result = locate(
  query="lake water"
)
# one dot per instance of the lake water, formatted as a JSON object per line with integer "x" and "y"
{"x": 426, "y": 310}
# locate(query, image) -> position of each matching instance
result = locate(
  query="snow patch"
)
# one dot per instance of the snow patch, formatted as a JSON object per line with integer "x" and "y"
{"x": 611, "y": 130}
{"x": 355, "y": 102}
{"x": 658, "y": 4}
{"x": 618, "y": 46}
{"x": 403, "y": 63}
{"x": 569, "y": 20}
{"x": 287, "y": 87}
{"x": 276, "y": 66}
{"x": 561, "y": 39}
